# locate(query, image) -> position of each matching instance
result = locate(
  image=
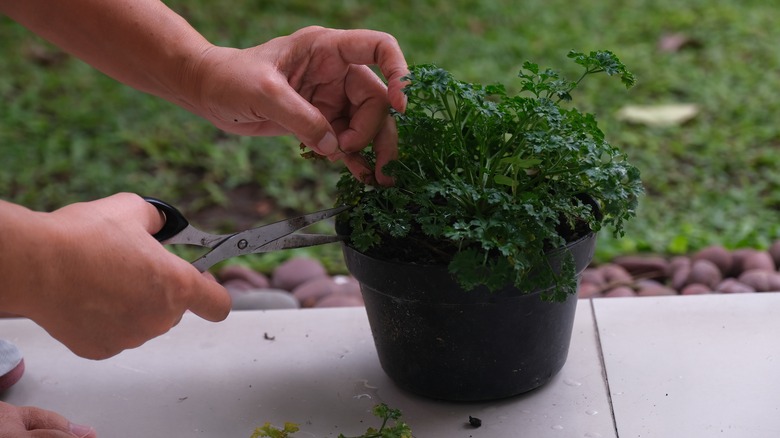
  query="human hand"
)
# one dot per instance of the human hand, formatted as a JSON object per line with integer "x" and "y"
{"x": 103, "y": 283}
{"x": 24, "y": 421}
{"x": 314, "y": 84}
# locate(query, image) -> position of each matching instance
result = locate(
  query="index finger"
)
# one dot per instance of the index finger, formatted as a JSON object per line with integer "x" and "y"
{"x": 370, "y": 47}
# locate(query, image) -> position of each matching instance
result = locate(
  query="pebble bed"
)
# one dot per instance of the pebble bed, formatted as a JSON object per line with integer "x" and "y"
{"x": 711, "y": 270}
{"x": 297, "y": 283}
{"x": 304, "y": 282}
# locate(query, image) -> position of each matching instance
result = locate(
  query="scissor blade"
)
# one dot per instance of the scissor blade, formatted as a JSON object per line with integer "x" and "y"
{"x": 256, "y": 239}
{"x": 299, "y": 241}
{"x": 194, "y": 236}
{"x": 261, "y": 236}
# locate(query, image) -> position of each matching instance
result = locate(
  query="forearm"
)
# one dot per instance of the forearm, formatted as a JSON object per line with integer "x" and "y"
{"x": 141, "y": 43}
{"x": 22, "y": 245}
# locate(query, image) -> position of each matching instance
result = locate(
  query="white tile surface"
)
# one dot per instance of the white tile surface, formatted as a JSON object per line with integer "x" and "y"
{"x": 321, "y": 371}
{"x": 693, "y": 366}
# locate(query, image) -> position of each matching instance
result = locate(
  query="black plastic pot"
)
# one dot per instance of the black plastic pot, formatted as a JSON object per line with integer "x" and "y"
{"x": 437, "y": 340}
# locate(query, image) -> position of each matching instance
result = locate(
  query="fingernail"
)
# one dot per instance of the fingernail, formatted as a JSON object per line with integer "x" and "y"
{"x": 337, "y": 156}
{"x": 385, "y": 181}
{"x": 80, "y": 431}
{"x": 328, "y": 145}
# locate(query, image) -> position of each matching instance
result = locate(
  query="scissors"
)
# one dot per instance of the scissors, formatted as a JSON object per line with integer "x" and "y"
{"x": 273, "y": 237}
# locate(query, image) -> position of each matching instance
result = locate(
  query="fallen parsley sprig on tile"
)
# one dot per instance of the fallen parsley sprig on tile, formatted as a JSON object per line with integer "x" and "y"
{"x": 391, "y": 427}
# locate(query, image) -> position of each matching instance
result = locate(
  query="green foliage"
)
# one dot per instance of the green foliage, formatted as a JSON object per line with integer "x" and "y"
{"x": 489, "y": 182}
{"x": 267, "y": 430}
{"x": 391, "y": 427}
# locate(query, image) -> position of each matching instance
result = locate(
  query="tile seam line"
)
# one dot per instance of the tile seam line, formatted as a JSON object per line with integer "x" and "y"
{"x": 603, "y": 366}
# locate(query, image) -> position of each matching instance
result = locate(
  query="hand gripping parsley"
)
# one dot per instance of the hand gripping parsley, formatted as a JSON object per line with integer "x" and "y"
{"x": 489, "y": 183}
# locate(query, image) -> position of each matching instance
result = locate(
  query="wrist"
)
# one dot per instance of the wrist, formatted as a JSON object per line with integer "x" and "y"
{"x": 189, "y": 78}
{"x": 202, "y": 79}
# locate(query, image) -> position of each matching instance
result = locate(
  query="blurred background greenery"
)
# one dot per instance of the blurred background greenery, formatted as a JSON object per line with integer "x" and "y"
{"x": 68, "y": 133}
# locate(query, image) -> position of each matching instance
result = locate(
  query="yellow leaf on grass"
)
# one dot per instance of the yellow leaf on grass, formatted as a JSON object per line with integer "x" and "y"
{"x": 659, "y": 115}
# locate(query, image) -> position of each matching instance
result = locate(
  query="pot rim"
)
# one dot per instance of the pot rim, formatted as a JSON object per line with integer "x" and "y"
{"x": 433, "y": 280}
{"x": 552, "y": 253}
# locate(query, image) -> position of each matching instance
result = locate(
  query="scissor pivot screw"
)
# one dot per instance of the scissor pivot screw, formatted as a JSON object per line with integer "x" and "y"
{"x": 242, "y": 244}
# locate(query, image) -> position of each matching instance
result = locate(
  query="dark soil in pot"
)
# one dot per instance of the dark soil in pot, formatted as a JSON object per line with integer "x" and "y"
{"x": 437, "y": 340}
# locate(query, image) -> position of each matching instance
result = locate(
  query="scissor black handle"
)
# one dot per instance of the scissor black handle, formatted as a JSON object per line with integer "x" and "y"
{"x": 175, "y": 222}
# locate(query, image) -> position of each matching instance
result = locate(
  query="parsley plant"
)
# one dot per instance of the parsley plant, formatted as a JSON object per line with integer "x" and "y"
{"x": 488, "y": 183}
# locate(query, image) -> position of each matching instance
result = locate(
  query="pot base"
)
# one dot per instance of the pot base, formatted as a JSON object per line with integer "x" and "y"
{"x": 470, "y": 352}
{"x": 438, "y": 341}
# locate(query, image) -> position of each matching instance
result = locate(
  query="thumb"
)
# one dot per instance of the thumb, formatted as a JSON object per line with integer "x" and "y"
{"x": 154, "y": 218}
{"x": 131, "y": 205}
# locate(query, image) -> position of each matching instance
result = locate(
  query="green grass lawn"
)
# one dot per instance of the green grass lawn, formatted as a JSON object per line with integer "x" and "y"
{"x": 68, "y": 133}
